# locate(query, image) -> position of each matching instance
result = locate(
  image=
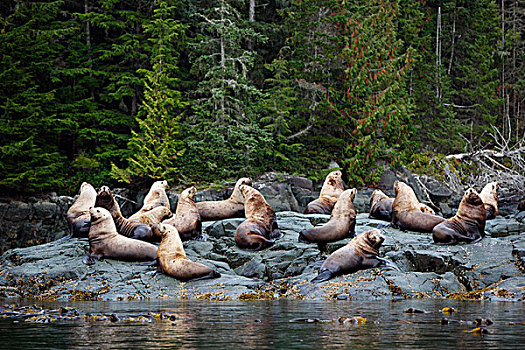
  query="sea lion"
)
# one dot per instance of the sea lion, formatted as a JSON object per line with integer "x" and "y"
{"x": 232, "y": 207}
{"x": 521, "y": 206}
{"x": 151, "y": 215}
{"x": 173, "y": 260}
{"x": 340, "y": 225}
{"x": 156, "y": 197}
{"x": 78, "y": 212}
{"x": 128, "y": 228}
{"x": 468, "y": 225}
{"x": 380, "y": 206}
{"x": 330, "y": 192}
{"x": 105, "y": 242}
{"x": 187, "y": 220}
{"x": 489, "y": 196}
{"x": 407, "y": 211}
{"x": 359, "y": 254}
{"x": 260, "y": 229}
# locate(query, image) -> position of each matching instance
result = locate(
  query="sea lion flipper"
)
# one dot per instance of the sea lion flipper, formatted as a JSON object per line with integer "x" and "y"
{"x": 324, "y": 275}
{"x": 212, "y": 274}
{"x": 90, "y": 259}
{"x": 154, "y": 262}
{"x": 384, "y": 263}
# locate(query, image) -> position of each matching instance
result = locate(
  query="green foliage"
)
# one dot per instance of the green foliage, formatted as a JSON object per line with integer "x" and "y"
{"x": 157, "y": 147}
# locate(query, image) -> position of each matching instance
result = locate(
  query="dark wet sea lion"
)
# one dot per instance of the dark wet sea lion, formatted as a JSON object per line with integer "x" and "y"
{"x": 407, "y": 211}
{"x": 489, "y": 196}
{"x": 172, "y": 257}
{"x": 105, "y": 242}
{"x": 152, "y": 215}
{"x": 359, "y": 254}
{"x": 340, "y": 225}
{"x": 125, "y": 227}
{"x": 260, "y": 229}
{"x": 380, "y": 206}
{"x": 330, "y": 192}
{"x": 468, "y": 225}
{"x": 78, "y": 217}
{"x": 187, "y": 219}
{"x": 232, "y": 207}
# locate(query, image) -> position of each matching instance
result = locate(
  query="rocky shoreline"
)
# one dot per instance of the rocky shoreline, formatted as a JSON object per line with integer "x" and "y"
{"x": 492, "y": 269}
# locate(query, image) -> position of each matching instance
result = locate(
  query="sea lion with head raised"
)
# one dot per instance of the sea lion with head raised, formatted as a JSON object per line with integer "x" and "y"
{"x": 380, "y": 206}
{"x": 152, "y": 215}
{"x": 187, "y": 219}
{"x": 340, "y": 225}
{"x": 105, "y": 242}
{"x": 359, "y": 254}
{"x": 156, "y": 197}
{"x": 407, "y": 211}
{"x": 330, "y": 192}
{"x": 489, "y": 196}
{"x": 78, "y": 213}
{"x": 468, "y": 225}
{"x": 125, "y": 227}
{"x": 232, "y": 207}
{"x": 172, "y": 257}
{"x": 260, "y": 229}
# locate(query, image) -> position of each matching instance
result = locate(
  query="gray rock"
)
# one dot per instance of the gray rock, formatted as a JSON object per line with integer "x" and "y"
{"x": 501, "y": 227}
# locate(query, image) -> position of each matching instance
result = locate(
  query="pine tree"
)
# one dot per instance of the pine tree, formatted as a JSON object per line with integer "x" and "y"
{"x": 157, "y": 146}
{"x": 373, "y": 101}
{"x": 224, "y": 132}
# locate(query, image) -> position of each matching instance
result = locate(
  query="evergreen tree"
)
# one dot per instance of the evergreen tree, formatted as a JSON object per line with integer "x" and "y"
{"x": 373, "y": 101}
{"x": 224, "y": 133}
{"x": 156, "y": 148}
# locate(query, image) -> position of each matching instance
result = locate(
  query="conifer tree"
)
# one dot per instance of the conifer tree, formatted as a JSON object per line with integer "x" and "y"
{"x": 157, "y": 146}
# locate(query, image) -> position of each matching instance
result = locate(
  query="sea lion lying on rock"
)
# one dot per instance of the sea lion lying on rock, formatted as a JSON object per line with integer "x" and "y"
{"x": 78, "y": 214}
{"x": 380, "y": 206}
{"x": 340, "y": 225}
{"x": 468, "y": 225}
{"x": 172, "y": 257}
{"x": 330, "y": 192}
{"x": 125, "y": 227}
{"x": 187, "y": 219}
{"x": 232, "y": 207}
{"x": 105, "y": 242}
{"x": 489, "y": 196}
{"x": 359, "y": 254}
{"x": 260, "y": 229}
{"x": 409, "y": 214}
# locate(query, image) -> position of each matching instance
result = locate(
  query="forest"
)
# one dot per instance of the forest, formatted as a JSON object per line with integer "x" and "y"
{"x": 201, "y": 91}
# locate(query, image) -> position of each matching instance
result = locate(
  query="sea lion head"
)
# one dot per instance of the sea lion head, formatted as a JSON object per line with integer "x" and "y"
{"x": 334, "y": 178}
{"x": 237, "y": 195}
{"x": 85, "y": 187}
{"x": 98, "y": 213}
{"x": 165, "y": 212}
{"x": 244, "y": 181}
{"x": 245, "y": 190}
{"x": 374, "y": 238}
{"x": 472, "y": 197}
{"x": 159, "y": 230}
{"x": 188, "y": 193}
{"x": 105, "y": 199}
{"x": 163, "y": 185}
{"x": 490, "y": 189}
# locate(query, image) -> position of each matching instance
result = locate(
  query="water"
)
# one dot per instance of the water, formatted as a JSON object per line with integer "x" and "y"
{"x": 265, "y": 325}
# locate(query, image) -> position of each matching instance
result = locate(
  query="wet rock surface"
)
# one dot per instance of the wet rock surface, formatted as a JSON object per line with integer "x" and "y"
{"x": 491, "y": 269}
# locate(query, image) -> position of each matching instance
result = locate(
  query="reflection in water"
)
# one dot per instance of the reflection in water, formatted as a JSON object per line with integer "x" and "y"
{"x": 265, "y": 324}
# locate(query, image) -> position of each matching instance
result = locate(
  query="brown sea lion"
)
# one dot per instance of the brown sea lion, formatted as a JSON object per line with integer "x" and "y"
{"x": 330, "y": 192}
{"x": 380, "y": 206}
{"x": 489, "y": 196}
{"x": 173, "y": 260}
{"x": 105, "y": 242}
{"x": 521, "y": 205}
{"x": 152, "y": 215}
{"x": 260, "y": 229}
{"x": 125, "y": 227}
{"x": 187, "y": 220}
{"x": 406, "y": 211}
{"x": 468, "y": 225}
{"x": 232, "y": 207}
{"x": 359, "y": 254}
{"x": 78, "y": 214}
{"x": 340, "y": 225}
